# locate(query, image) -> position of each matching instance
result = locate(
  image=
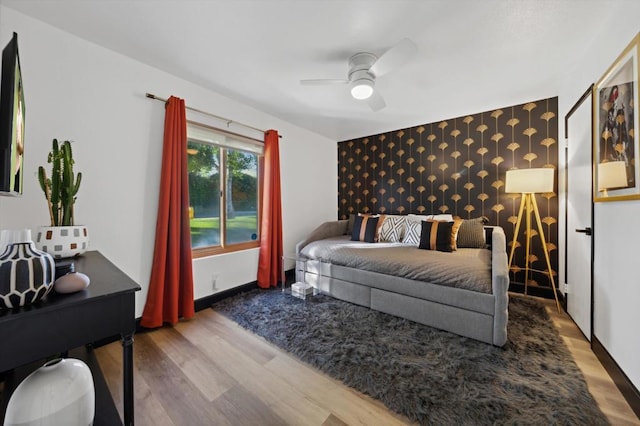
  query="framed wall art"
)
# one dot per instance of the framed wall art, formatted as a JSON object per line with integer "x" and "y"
{"x": 615, "y": 147}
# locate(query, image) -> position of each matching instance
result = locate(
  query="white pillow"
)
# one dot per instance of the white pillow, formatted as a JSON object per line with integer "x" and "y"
{"x": 445, "y": 217}
{"x": 418, "y": 217}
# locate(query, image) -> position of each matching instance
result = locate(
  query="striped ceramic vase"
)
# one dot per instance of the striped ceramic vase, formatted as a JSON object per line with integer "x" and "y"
{"x": 26, "y": 274}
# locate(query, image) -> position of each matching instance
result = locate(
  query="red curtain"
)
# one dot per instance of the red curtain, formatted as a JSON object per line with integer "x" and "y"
{"x": 270, "y": 258}
{"x": 170, "y": 294}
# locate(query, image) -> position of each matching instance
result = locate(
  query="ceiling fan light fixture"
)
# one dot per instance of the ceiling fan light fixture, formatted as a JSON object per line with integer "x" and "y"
{"x": 362, "y": 89}
{"x": 365, "y": 67}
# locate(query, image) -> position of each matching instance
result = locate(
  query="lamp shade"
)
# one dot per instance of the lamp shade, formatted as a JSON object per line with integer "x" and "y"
{"x": 612, "y": 174}
{"x": 529, "y": 180}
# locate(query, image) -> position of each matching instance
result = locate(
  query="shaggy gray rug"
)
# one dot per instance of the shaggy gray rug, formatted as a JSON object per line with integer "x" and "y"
{"x": 430, "y": 376}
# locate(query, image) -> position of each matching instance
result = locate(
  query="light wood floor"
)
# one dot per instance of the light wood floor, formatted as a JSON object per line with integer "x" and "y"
{"x": 211, "y": 371}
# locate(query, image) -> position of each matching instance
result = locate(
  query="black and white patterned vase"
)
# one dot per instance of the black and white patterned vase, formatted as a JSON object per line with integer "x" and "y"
{"x": 26, "y": 275}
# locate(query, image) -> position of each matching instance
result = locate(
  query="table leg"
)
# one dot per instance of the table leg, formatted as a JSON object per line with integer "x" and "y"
{"x": 127, "y": 378}
{"x": 284, "y": 276}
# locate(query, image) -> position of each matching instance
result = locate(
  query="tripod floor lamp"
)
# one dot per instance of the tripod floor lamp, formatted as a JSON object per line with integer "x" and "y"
{"x": 529, "y": 182}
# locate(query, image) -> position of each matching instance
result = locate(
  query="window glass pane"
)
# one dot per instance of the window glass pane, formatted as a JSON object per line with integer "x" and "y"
{"x": 223, "y": 187}
{"x": 204, "y": 193}
{"x": 241, "y": 196}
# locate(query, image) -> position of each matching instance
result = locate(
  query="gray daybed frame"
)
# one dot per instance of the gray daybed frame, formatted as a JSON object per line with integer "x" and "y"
{"x": 473, "y": 314}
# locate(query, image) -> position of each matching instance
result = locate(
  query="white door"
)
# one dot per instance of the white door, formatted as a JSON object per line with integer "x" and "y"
{"x": 579, "y": 203}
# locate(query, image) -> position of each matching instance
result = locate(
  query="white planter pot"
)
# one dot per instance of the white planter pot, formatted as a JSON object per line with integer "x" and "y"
{"x": 63, "y": 241}
{"x": 61, "y": 392}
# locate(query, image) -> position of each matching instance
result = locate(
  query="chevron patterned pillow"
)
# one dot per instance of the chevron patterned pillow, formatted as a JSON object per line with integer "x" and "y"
{"x": 392, "y": 229}
{"x": 412, "y": 232}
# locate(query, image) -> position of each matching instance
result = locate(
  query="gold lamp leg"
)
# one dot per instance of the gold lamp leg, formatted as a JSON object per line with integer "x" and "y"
{"x": 527, "y": 206}
{"x": 528, "y": 203}
{"x": 515, "y": 232}
{"x": 546, "y": 253}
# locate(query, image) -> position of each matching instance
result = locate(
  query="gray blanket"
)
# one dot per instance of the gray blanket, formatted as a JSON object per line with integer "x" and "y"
{"x": 465, "y": 268}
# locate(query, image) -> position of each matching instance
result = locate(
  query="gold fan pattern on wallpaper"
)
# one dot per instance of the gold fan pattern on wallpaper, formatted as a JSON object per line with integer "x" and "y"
{"x": 458, "y": 166}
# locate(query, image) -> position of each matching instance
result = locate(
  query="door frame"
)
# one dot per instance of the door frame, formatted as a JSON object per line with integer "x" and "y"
{"x": 618, "y": 376}
{"x": 574, "y": 108}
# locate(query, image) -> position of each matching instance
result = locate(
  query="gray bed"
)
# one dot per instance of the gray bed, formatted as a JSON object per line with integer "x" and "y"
{"x": 464, "y": 292}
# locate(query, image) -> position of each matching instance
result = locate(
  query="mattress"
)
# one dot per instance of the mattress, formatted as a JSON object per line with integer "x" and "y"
{"x": 464, "y": 268}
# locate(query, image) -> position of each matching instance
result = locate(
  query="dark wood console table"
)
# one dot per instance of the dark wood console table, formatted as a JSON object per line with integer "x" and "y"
{"x": 60, "y": 323}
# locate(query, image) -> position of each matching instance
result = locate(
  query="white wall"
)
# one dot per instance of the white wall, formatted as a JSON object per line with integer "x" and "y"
{"x": 616, "y": 224}
{"x": 79, "y": 91}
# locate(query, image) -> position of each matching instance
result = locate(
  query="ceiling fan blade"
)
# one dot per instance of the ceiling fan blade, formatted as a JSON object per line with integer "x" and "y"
{"x": 376, "y": 101}
{"x": 394, "y": 57}
{"x": 323, "y": 82}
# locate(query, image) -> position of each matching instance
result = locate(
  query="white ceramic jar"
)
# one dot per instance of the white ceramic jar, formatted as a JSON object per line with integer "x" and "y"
{"x": 61, "y": 392}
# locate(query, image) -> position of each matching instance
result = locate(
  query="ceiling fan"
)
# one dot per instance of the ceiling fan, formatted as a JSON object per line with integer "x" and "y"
{"x": 365, "y": 67}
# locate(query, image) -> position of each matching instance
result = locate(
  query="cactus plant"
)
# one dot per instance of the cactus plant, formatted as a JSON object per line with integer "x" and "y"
{"x": 60, "y": 190}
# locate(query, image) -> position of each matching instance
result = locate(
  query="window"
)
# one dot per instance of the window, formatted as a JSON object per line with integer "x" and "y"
{"x": 224, "y": 188}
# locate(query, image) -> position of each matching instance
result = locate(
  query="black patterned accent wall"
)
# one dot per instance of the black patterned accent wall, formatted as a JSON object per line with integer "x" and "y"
{"x": 458, "y": 166}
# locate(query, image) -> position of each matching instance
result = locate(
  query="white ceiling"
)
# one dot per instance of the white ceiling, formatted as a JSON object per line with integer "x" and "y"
{"x": 472, "y": 55}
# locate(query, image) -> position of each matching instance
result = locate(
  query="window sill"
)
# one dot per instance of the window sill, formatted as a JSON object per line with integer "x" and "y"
{"x": 197, "y": 253}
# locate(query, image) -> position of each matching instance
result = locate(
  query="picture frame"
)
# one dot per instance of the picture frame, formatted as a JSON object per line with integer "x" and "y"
{"x": 616, "y": 172}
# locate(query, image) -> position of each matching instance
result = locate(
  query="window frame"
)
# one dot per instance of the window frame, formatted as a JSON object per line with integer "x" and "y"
{"x": 224, "y": 247}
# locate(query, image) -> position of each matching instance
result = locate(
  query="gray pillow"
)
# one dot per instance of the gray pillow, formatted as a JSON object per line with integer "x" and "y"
{"x": 352, "y": 219}
{"x": 471, "y": 233}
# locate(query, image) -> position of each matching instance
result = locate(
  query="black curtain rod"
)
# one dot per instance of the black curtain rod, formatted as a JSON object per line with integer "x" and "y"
{"x": 226, "y": 120}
